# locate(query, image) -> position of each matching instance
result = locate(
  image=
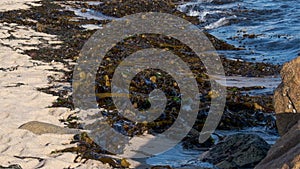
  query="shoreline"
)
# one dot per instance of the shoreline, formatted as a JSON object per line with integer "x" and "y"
{"x": 42, "y": 49}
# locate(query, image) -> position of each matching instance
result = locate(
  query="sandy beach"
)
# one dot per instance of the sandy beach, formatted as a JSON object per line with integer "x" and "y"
{"x": 21, "y": 102}
{"x": 42, "y": 41}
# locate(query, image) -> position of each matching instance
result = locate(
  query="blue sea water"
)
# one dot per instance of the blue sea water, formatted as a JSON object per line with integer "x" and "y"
{"x": 269, "y": 30}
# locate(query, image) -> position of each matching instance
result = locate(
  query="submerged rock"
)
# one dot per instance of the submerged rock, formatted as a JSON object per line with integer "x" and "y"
{"x": 43, "y": 128}
{"x": 287, "y": 96}
{"x": 237, "y": 151}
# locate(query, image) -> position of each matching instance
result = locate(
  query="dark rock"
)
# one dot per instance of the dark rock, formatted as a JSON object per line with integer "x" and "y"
{"x": 285, "y": 153}
{"x": 120, "y": 8}
{"x": 285, "y": 121}
{"x": 237, "y": 151}
{"x": 239, "y": 119}
{"x": 287, "y": 95}
{"x": 13, "y": 166}
{"x": 191, "y": 141}
{"x": 249, "y": 69}
{"x": 219, "y": 44}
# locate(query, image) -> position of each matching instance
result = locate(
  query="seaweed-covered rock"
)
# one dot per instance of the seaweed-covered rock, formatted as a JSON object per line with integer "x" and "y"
{"x": 120, "y": 8}
{"x": 287, "y": 96}
{"x": 245, "y": 118}
{"x": 237, "y": 151}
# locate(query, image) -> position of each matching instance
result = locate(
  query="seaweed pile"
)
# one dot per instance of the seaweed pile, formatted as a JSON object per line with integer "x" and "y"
{"x": 53, "y": 17}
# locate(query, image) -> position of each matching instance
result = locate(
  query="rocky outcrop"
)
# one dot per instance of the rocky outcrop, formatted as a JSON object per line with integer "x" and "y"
{"x": 286, "y": 121}
{"x": 237, "y": 151}
{"x": 287, "y": 96}
{"x": 285, "y": 153}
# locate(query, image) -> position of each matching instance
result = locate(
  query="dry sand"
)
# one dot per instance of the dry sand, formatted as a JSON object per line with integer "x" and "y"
{"x": 6, "y": 5}
{"x": 21, "y": 102}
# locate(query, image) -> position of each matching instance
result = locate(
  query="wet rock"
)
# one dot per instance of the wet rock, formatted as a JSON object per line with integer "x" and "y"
{"x": 249, "y": 69}
{"x": 239, "y": 119}
{"x": 43, "y": 128}
{"x": 120, "y": 8}
{"x": 83, "y": 10}
{"x": 237, "y": 151}
{"x": 13, "y": 166}
{"x": 219, "y": 44}
{"x": 287, "y": 95}
{"x": 286, "y": 121}
{"x": 285, "y": 153}
{"x": 191, "y": 141}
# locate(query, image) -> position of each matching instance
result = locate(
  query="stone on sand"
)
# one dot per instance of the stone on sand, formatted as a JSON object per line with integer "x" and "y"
{"x": 43, "y": 128}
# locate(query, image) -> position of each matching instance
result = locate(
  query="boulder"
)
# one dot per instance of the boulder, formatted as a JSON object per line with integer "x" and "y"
{"x": 237, "y": 151}
{"x": 43, "y": 128}
{"x": 287, "y": 96}
{"x": 285, "y": 153}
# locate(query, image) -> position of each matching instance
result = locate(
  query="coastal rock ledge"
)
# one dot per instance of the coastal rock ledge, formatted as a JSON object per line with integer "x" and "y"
{"x": 285, "y": 153}
{"x": 287, "y": 97}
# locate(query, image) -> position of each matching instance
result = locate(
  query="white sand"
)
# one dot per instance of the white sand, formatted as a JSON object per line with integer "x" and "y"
{"x": 7, "y": 5}
{"x": 23, "y": 103}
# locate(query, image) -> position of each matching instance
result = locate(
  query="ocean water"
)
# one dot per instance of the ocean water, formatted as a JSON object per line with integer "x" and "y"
{"x": 268, "y": 30}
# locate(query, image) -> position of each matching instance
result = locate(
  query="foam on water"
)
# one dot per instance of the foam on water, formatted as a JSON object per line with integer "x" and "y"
{"x": 221, "y": 22}
{"x": 177, "y": 157}
{"x": 90, "y": 14}
{"x": 277, "y": 23}
{"x": 268, "y": 84}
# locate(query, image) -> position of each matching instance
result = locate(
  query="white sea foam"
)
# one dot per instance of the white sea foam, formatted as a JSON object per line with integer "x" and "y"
{"x": 90, "y": 14}
{"x": 219, "y": 23}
